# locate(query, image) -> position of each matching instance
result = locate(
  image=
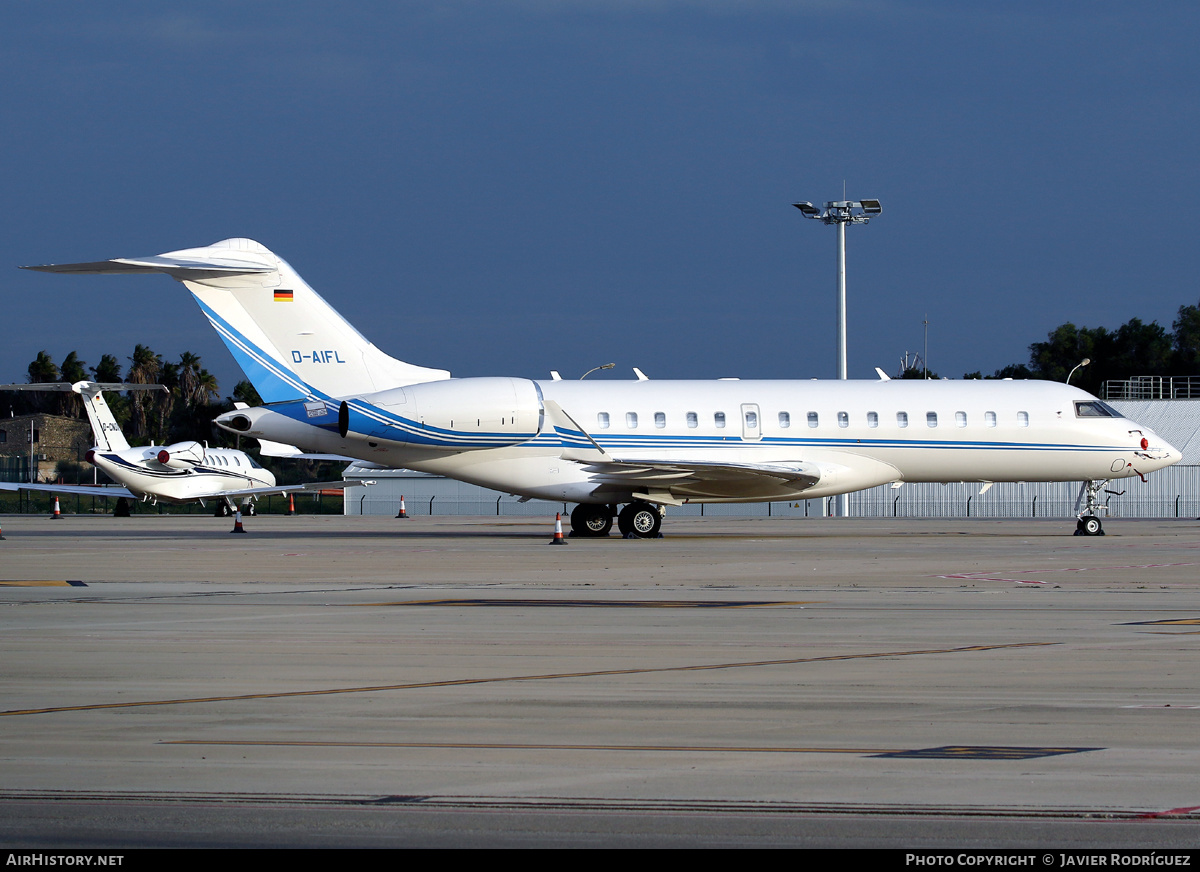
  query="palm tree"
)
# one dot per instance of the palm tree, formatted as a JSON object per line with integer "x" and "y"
{"x": 107, "y": 370}
{"x": 189, "y": 376}
{"x": 71, "y": 371}
{"x": 145, "y": 369}
{"x": 43, "y": 369}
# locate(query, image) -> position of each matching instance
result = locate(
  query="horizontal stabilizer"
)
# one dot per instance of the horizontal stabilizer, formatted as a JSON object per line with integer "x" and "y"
{"x": 189, "y": 263}
{"x": 81, "y": 387}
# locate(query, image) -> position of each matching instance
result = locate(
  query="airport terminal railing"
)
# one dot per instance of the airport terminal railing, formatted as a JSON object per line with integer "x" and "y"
{"x": 1152, "y": 387}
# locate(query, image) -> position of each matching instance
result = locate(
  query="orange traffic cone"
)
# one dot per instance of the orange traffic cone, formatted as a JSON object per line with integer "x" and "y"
{"x": 558, "y": 536}
{"x": 237, "y": 522}
{"x": 57, "y": 514}
{"x": 291, "y": 505}
{"x": 402, "y": 513}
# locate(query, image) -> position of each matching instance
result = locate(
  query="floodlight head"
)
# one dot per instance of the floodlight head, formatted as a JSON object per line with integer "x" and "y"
{"x": 871, "y": 207}
{"x": 809, "y": 210}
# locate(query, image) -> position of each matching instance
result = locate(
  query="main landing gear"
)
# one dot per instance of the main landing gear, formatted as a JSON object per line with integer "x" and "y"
{"x": 638, "y": 520}
{"x": 590, "y": 520}
{"x": 1088, "y": 524}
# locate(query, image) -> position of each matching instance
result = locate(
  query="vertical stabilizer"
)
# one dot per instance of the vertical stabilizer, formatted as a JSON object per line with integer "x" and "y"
{"x": 290, "y": 343}
{"x": 105, "y": 429}
{"x": 288, "y": 340}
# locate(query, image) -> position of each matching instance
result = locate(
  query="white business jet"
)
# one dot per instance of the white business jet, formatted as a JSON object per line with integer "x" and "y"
{"x": 181, "y": 473}
{"x": 645, "y": 443}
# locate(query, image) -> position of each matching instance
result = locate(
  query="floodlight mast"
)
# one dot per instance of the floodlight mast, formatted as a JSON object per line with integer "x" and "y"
{"x": 841, "y": 213}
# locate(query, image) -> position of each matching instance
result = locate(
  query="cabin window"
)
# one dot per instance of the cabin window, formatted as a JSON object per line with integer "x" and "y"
{"x": 693, "y": 420}
{"x": 902, "y": 419}
{"x": 989, "y": 419}
{"x": 931, "y": 419}
{"x": 872, "y": 419}
{"x": 785, "y": 420}
{"x": 719, "y": 419}
{"x": 843, "y": 419}
{"x": 813, "y": 420}
{"x": 752, "y": 420}
{"x": 660, "y": 420}
{"x": 631, "y": 420}
{"x": 1022, "y": 419}
{"x": 602, "y": 420}
{"x": 236, "y": 460}
{"x": 960, "y": 419}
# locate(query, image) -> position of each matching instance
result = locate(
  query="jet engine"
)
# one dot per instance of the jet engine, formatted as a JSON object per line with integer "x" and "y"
{"x": 464, "y": 414}
{"x": 459, "y": 414}
{"x": 181, "y": 455}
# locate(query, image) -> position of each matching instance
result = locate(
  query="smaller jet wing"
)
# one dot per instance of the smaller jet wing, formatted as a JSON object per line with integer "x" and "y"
{"x": 288, "y": 488}
{"x": 92, "y": 490}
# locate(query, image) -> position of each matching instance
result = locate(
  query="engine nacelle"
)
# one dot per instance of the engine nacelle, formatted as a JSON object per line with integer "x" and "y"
{"x": 466, "y": 414}
{"x": 458, "y": 414}
{"x": 181, "y": 455}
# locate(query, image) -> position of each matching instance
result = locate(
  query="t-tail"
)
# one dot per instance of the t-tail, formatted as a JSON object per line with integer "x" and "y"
{"x": 288, "y": 341}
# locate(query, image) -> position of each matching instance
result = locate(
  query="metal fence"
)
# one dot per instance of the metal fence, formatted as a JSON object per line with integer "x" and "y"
{"x": 1152, "y": 387}
{"x": 1168, "y": 493}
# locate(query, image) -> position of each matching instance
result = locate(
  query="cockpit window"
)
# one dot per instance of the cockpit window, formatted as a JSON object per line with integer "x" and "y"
{"x": 1095, "y": 409}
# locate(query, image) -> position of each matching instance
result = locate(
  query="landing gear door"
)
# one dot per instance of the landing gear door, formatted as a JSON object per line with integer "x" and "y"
{"x": 751, "y": 423}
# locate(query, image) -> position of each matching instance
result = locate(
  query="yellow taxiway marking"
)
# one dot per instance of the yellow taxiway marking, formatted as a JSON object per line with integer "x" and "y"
{"x": 457, "y": 682}
{"x": 41, "y": 583}
{"x": 599, "y": 604}
{"x": 527, "y": 746}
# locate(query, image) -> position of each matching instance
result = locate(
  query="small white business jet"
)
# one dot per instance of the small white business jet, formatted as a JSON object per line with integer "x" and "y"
{"x": 181, "y": 473}
{"x": 645, "y": 443}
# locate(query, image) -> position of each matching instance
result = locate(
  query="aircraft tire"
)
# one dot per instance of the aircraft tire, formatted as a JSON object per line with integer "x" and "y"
{"x": 591, "y": 521}
{"x": 639, "y": 521}
{"x": 1091, "y": 526}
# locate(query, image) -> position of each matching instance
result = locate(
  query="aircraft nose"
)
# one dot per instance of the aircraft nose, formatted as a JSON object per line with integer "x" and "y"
{"x": 1164, "y": 453}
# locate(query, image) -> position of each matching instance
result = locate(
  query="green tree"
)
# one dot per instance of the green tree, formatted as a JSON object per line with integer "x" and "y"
{"x": 145, "y": 369}
{"x": 43, "y": 369}
{"x": 107, "y": 370}
{"x": 72, "y": 370}
{"x": 1186, "y": 342}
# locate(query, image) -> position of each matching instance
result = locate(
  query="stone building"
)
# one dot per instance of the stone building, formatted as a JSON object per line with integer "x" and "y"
{"x": 54, "y": 438}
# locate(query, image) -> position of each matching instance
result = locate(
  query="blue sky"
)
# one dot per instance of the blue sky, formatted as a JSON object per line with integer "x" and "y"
{"x": 505, "y": 188}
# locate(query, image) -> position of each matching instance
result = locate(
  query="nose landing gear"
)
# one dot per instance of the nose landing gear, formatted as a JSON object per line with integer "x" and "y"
{"x": 1088, "y": 524}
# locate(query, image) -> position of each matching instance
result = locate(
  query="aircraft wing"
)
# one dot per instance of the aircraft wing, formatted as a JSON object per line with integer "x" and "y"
{"x": 672, "y": 481}
{"x": 107, "y": 491}
{"x": 287, "y": 488}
